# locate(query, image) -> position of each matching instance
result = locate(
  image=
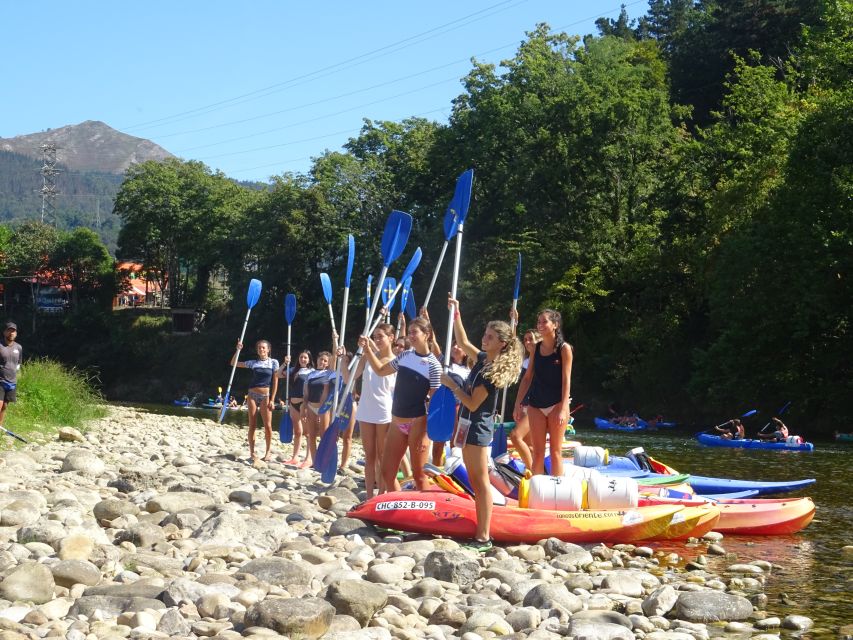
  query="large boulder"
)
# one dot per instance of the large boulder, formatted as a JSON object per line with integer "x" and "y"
{"x": 83, "y": 461}
{"x": 67, "y": 573}
{"x": 28, "y": 582}
{"x": 711, "y": 606}
{"x": 303, "y": 618}
{"x": 452, "y": 566}
{"x": 356, "y": 598}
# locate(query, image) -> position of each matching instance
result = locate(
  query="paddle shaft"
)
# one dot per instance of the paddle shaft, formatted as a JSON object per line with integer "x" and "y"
{"x": 287, "y": 375}
{"x": 340, "y": 344}
{"x": 234, "y": 367}
{"x": 435, "y": 273}
{"x": 453, "y": 284}
{"x": 14, "y": 435}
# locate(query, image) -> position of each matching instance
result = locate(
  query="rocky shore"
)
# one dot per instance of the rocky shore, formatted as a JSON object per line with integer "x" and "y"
{"x": 154, "y": 526}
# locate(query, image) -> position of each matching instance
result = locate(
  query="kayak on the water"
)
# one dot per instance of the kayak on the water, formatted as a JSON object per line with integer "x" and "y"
{"x": 793, "y": 443}
{"x": 601, "y": 423}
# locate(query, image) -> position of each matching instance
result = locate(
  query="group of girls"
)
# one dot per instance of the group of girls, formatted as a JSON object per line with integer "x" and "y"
{"x": 400, "y": 376}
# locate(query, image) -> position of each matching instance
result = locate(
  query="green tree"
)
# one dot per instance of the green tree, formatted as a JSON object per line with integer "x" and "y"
{"x": 84, "y": 262}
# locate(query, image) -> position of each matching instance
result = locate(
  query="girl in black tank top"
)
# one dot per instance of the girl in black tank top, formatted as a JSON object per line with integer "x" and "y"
{"x": 548, "y": 380}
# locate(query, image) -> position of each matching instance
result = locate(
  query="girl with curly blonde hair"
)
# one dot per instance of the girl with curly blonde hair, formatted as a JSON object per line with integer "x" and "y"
{"x": 497, "y": 365}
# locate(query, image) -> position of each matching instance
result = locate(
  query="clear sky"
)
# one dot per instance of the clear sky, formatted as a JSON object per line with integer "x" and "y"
{"x": 256, "y": 88}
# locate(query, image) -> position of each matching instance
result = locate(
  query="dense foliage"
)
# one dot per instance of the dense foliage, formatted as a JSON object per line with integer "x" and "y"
{"x": 679, "y": 186}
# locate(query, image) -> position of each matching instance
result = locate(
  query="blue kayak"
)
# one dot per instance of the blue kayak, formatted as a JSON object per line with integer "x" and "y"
{"x": 710, "y": 440}
{"x": 601, "y": 423}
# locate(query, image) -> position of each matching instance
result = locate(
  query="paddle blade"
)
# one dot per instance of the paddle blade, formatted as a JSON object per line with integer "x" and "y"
{"x": 253, "y": 293}
{"x": 350, "y": 258}
{"x": 499, "y": 440}
{"x": 224, "y": 408}
{"x": 387, "y": 289}
{"x": 750, "y": 413}
{"x": 414, "y": 261}
{"x": 342, "y": 421}
{"x": 327, "y": 287}
{"x": 442, "y": 415}
{"x": 458, "y": 206}
{"x": 411, "y": 307}
{"x": 367, "y": 297}
{"x": 285, "y": 427}
{"x": 784, "y": 409}
{"x": 326, "y": 460}
{"x": 395, "y": 236}
{"x": 404, "y": 293}
{"x": 289, "y": 308}
{"x": 327, "y": 405}
{"x": 517, "y": 279}
{"x": 451, "y": 222}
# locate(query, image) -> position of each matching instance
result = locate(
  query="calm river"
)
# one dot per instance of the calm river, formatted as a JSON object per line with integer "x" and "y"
{"x": 813, "y": 575}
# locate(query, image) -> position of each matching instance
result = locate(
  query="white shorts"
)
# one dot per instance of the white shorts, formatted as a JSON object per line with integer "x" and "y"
{"x": 373, "y": 412}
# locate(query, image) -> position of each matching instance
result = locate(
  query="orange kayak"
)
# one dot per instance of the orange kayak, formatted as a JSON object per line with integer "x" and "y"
{"x": 440, "y": 513}
{"x": 691, "y": 522}
{"x": 760, "y": 516}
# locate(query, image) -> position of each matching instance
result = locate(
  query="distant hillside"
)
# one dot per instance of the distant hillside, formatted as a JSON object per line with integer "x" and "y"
{"x": 91, "y": 157}
{"x": 88, "y": 146}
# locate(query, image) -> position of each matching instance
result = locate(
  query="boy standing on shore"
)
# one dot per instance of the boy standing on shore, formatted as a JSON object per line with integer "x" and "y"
{"x": 10, "y": 363}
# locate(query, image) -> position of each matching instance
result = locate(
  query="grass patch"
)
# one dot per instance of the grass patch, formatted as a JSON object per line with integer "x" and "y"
{"x": 51, "y": 396}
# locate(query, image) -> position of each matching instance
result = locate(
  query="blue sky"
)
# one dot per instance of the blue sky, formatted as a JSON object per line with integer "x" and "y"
{"x": 256, "y": 88}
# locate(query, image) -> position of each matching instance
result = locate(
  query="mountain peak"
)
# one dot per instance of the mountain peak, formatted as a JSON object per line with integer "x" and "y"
{"x": 89, "y": 146}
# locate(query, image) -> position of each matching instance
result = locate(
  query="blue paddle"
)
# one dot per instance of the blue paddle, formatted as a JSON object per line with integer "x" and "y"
{"x": 414, "y": 261}
{"x": 404, "y": 301}
{"x": 350, "y": 260}
{"x": 285, "y": 427}
{"x": 12, "y": 434}
{"x": 512, "y": 322}
{"x": 326, "y": 460}
{"x": 778, "y": 413}
{"x": 442, "y": 408}
{"x": 751, "y": 412}
{"x": 388, "y": 288}
{"x": 252, "y": 296}
{"x": 451, "y": 224}
{"x": 394, "y": 239}
{"x": 411, "y": 306}
{"x": 327, "y": 294}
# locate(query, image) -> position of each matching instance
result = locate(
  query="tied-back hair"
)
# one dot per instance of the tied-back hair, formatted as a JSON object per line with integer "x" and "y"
{"x": 387, "y": 329}
{"x": 424, "y": 325}
{"x": 504, "y": 370}
{"x": 266, "y": 342}
{"x": 328, "y": 355}
{"x": 555, "y": 317}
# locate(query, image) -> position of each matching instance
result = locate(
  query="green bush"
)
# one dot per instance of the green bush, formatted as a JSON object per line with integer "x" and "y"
{"x": 51, "y": 396}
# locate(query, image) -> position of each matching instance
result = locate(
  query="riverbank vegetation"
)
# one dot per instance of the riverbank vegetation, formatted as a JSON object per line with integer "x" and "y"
{"x": 51, "y": 396}
{"x": 679, "y": 186}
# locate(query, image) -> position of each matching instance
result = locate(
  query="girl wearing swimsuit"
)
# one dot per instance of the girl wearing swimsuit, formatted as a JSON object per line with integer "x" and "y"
{"x": 298, "y": 376}
{"x": 520, "y": 435}
{"x": 418, "y": 376}
{"x": 262, "y": 391}
{"x": 548, "y": 380}
{"x": 317, "y": 389}
{"x": 374, "y": 408}
{"x": 498, "y": 364}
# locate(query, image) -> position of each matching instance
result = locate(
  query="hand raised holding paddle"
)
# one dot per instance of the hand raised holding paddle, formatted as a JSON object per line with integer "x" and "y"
{"x": 252, "y": 296}
{"x": 442, "y": 410}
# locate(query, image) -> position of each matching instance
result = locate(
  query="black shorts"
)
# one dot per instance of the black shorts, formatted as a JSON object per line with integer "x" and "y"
{"x": 8, "y": 395}
{"x": 481, "y": 434}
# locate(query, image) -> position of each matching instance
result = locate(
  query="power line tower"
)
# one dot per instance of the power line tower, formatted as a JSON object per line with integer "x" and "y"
{"x": 48, "y": 189}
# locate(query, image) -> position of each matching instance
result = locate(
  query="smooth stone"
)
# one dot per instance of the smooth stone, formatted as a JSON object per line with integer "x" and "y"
{"x": 484, "y": 620}
{"x": 67, "y": 573}
{"x": 18, "y": 513}
{"x": 173, "y": 624}
{"x": 624, "y": 584}
{"x": 357, "y": 599}
{"x": 83, "y": 461}
{"x": 112, "y": 606}
{"x": 524, "y": 618}
{"x": 712, "y": 606}
{"x": 76, "y": 546}
{"x": 113, "y": 508}
{"x": 586, "y": 630}
{"x": 457, "y": 567}
{"x": 548, "y": 596}
{"x": 307, "y": 618}
{"x": 797, "y": 623}
{"x": 29, "y": 582}
{"x": 175, "y": 501}
{"x": 278, "y": 571}
{"x": 660, "y": 601}
{"x": 385, "y": 573}
{"x": 351, "y": 526}
{"x": 609, "y": 617}
{"x": 70, "y": 434}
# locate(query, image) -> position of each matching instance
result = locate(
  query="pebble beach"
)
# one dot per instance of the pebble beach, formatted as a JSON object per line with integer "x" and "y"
{"x": 152, "y": 526}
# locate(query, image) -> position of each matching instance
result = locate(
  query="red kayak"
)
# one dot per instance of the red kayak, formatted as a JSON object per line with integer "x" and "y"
{"x": 754, "y": 517}
{"x": 441, "y": 513}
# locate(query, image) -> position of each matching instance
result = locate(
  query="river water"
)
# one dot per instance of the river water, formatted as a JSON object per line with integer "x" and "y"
{"x": 811, "y": 575}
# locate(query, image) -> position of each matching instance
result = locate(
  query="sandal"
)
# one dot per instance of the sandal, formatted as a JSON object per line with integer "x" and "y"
{"x": 480, "y": 546}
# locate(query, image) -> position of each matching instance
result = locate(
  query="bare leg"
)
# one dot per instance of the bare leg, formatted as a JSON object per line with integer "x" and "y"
{"x": 253, "y": 415}
{"x": 266, "y": 417}
{"x": 381, "y": 435}
{"x": 419, "y": 451}
{"x": 437, "y": 452}
{"x": 347, "y": 438}
{"x": 476, "y": 462}
{"x": 368, "y": 440}
{"x": 311, "y": 436}
{"x": 296, "y": 419}
{"x": 395, "y": 447}
{"x": 538, "y": 429}
{"x": 519, "y": 437}
{"x": 556, "y": 431}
